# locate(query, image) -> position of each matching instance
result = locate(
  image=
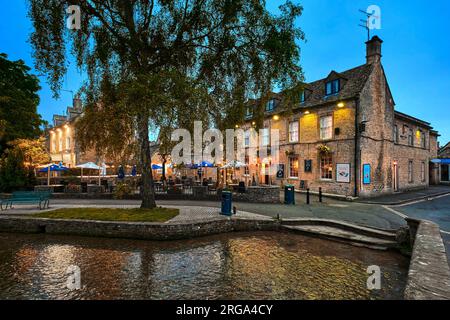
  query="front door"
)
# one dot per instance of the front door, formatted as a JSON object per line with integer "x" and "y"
{"x": 444, "y": 172}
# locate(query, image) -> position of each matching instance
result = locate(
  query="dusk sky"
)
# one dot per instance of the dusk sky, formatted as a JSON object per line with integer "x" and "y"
{"x": 416, "y": 51}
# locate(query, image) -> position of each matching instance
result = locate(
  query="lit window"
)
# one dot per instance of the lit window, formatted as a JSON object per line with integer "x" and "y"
{"x": 422, "y": 139}
{"x": 60, "y": 144}
{"x": 270, "y": 105}
{"x": 396, "y": 134}
{"x": 410, "y": 171}
{"x": 293, "y": 132}
{"x": 54, "y": 145}
{"x": 333, "y": 87}
{"x": 68, "y": 143}
{"x": 293, "y": 167}
{"x": 326, "y": 128}
{"x": 326, "y": 167}
{"x": 265, "y": 137}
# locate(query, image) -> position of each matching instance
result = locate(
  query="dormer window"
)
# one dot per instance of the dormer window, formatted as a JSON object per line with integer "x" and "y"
{"x": 270, "y": 105}
{"x": 333, "y": 87}
{"x": 302, "y": 96}
{"x": 249, "y": 112}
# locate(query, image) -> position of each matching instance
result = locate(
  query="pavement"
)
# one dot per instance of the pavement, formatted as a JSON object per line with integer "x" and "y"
{"x": 357, "y": 213}
{"x": 405, "y": 197}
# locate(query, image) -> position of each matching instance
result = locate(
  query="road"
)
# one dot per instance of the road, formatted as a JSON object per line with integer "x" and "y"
{"x": 436, "y": 210}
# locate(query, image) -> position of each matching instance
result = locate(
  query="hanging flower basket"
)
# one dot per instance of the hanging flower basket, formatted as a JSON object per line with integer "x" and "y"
{"x": 323, "y": 149}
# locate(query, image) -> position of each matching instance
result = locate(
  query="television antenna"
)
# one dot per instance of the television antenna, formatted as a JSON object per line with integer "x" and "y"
{"x": 364, "y": 23}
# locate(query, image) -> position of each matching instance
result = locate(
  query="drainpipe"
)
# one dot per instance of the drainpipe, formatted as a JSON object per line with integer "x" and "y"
{"x": 356, "y": 164}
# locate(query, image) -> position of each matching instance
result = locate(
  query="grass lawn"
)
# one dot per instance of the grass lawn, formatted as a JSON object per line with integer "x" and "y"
{"x": 106, "y": 214}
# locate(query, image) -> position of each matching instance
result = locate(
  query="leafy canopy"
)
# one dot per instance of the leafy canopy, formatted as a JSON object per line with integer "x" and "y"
{"x": 18, "y": 102}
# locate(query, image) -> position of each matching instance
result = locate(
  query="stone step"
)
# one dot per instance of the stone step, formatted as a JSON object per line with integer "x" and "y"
{"x": 389, "y": 235}
{"x": 339, "y": 234}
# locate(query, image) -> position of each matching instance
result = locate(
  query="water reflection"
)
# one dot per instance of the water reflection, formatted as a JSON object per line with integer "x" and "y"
{"x": 234, "y": 266}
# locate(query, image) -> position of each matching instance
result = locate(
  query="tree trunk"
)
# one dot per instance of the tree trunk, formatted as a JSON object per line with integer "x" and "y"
{"x": 145, "y": 158}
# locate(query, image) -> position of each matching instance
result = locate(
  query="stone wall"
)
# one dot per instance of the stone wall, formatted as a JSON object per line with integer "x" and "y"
{"x": 126, "y": 230}
{"x": 429, "y": 273}
{"x": 259, "y": 195}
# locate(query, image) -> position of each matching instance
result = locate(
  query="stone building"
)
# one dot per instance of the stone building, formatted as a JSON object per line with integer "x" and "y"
{"x": 345, "y": 137}
{"x": 61, "y": 141}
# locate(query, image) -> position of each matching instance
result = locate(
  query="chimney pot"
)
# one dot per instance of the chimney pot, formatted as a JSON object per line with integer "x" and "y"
{"x": 373, "y": 47}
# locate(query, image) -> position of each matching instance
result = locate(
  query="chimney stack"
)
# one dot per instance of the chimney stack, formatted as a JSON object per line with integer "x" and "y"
{"x": 374, "y": 50}
{"x": 77, "y": 103}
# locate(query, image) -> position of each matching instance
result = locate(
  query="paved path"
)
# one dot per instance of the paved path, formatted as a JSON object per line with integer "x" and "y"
{"x": 357, "y": 213}
{"x": 187, "y": 213}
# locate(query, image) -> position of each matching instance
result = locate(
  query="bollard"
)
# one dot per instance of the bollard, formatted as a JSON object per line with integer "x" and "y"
{"x": 307, "y": 196}
{"x": 320, "y": 194}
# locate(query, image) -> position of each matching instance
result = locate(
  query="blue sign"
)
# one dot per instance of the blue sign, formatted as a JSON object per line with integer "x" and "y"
{"x": 366, "y": 174}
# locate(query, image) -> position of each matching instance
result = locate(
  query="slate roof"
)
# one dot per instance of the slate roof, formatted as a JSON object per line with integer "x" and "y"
{"x": 352, "y": 83}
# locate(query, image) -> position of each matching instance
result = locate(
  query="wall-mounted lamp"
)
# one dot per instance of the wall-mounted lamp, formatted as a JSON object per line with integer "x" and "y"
{"x": 276, "y": 117}
{"x": 307, "y": 112}
{"x": 341, "y": 105}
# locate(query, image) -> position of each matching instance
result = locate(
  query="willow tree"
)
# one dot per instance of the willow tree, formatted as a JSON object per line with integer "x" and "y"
{"x": 154, "y": 59}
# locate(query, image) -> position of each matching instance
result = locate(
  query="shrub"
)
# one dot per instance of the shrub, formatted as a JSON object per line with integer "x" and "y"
{"x": 121, "y": 191}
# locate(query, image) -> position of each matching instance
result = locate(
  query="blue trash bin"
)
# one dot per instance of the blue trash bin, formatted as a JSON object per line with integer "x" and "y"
{"x": 227, "y": 199}
{"x": 289, "y": 194}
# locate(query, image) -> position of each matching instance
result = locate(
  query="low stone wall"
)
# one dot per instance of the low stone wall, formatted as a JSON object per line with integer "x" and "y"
{"x": 128, "y": 230}
{"x": 259, "y": 195}
{"x": 429, "y": 272}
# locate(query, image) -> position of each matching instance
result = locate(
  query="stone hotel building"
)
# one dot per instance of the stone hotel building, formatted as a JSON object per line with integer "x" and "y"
{"x": 345, "y": 136}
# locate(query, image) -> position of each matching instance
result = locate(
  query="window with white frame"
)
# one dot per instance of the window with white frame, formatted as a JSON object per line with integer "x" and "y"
{"x": 333, "y": 87}
{"x": 302, "y": 96}
{"x": 247, "y": 139}
{"x": 293, "y": 131}
{"x": 410, "y": 171}
{"x": 265, "y": 137}
{"x": 293, "y": 167}
{"x": 270, "y": 105}
{"x": 326, "y": 167}
{"x": 326, "y": 127}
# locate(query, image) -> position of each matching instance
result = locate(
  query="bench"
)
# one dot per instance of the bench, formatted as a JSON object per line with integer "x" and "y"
{"x": 21, "y": 197}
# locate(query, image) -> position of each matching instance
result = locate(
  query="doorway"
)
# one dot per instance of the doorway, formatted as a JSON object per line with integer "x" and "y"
{"x": 444, "y": 173}
{"x": 396, "y": 176}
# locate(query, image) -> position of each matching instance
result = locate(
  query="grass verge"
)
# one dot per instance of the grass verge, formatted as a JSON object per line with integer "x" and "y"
{"x": 106, "y": 214}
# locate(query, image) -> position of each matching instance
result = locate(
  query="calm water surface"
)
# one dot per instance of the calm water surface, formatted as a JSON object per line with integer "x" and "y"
{"x": 232, "y": 266}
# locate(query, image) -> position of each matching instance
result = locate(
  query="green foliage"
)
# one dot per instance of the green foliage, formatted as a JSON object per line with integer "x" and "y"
{"x": 14, "y": 175}
{"x": 157, "y": 65}
{"x": 121, "y": 191}
{"x": 34, "y": 151}
{"x": 18, "y": 102}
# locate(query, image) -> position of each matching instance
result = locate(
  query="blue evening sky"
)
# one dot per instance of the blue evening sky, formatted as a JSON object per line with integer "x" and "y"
{"x": 416, "y": 50}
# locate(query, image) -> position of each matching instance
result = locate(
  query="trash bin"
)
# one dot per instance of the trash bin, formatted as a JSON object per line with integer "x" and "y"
{"x": 227, "y": 199}
{"x": 289, "y": 194}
